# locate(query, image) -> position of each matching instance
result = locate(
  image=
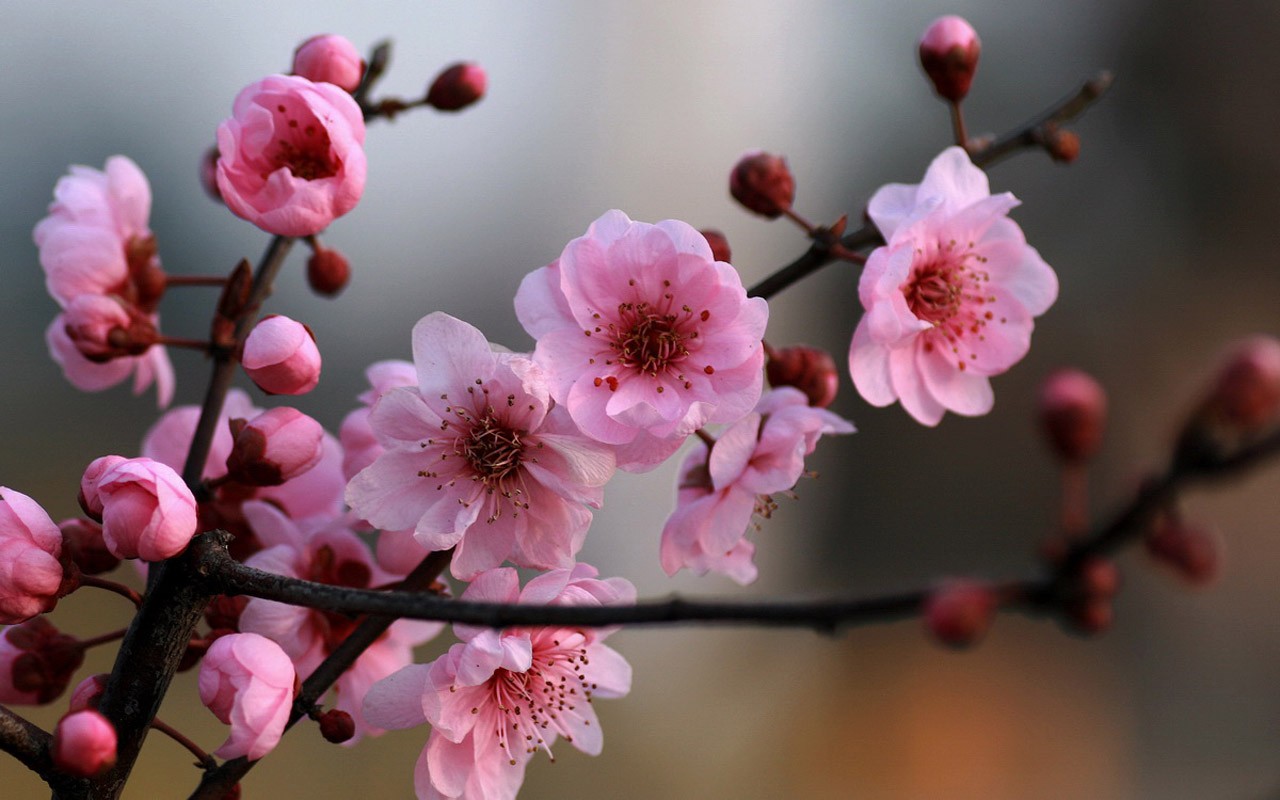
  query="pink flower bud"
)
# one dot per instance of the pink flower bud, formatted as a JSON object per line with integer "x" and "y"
{"x": 457, "y": 87}
{"x": 83, "y": 545}
{"x": 247, "y": 681}
{"x": 328, "y": 272}
{"x": 209, "y": 174}
{"x": 89, "y": 499}
{"x": 329, "y": 58}
{"x": 147, "y": 510}
{"x": 949, "y": 53}
{"x": 36, "y": 662}
{"x": 281, "y": 356}
{"x": 1193, "y": 552}
{"x": 1073, "y": 414}
{"x": 719, "y": 244}
{"x": 292, "y": 155}
{"x": 88, "y": 692}
{"x": 337, "y": 726}
{"x": 959, "y": 612}
{"x": 762, "y": 183}
{"x": 1247, "y": 392}
{"x": 31, "y": 572}
{"x": 84, "y": 744}
{"x": 275, "y": 446}
{"x": 809, "y": 369}
{"x": 1063, "y": 146}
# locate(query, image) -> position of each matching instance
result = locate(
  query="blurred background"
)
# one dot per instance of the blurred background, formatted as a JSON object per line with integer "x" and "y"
{"x": 1163, "y": 235}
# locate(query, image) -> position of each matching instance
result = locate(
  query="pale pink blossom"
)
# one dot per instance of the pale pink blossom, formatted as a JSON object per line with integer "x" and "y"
{"x": 281, "y": 357}
{"x": 478, "y": 448}
{"x": 291, "y": 155}
{"x": 950, "y": 298}
{"x": 97, "y": 252}
{"x": 84, "y": 744}
{"x": 147, "y": 510}
{"x": 248, "y": 682}
{"x": 276, "y": 446}
{"x": 329, "y": 58}
{"x": 759, "y": 456}
{"x": 644, "y": 336}
{"x": 325, "y": 550}
{"x": 31, "y": 574}
{"x": 499, "y": 696}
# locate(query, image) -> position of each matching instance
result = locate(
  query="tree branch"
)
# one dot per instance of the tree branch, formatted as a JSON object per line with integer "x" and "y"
{"x": 30, "y": 746}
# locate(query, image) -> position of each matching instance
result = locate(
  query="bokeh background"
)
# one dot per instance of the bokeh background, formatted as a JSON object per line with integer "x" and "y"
{"x": 1164, "y": 235}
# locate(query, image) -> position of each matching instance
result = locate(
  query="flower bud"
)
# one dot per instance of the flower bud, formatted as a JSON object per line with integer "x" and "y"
{"x": 949, "y": 53}
{"x": 247, "y": 681}
{"x": 812, "y": 370}
{"x": 1193, "y": 552}
{"x": 1090, "y": 616}
{"x": 275, "y": 446}
{"x": 84, "y": 744}
{"x": 88, "y": 692}
{"x": 281, "y": 356}
{"x": 36, "y": 662}
{"x": 959, "y": 612}
{"x": 32, "y": 577}
{"x": 1063, "y": 146}
{"x": 83, "y": 545}
{"x": 719, "y": 245}
{"x": 89, "y": 499}
{"x": 1099, "y": 578}
{"x": 762, "y": 183}
{"x": 329, "y": 58}
{"x": 147, "y": 510}
{"x": 101, "y": 328}
{"x": 327, "y": 272}
{"x": 457, "y": 87}
{"x": 336, "y": 726}
{"x": 1247, "y": 391}
{"x": 1073, "y": 414}
{"x": 209, "y": 174}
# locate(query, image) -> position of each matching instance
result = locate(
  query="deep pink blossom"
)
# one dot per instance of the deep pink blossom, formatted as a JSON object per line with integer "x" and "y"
{"x": 327, "y": 551}
{"x": 281, "y": 356}
{"x": 36, "y": 662}
{"x": 476, "y": 457}
{"x": 291, "y": 155}
{"x": 499, "y": 696}
{"x": 753, "y": 459}
{"x": 147, "y": 510}
{"x": 950, "y": 298}
{"x": 31, "y": 575}
{"x": 247, "y": 681}
{"x": 644, "y": 336}
{"x": 84, "y": 744}
{"x": 276, "y": 446}
{"x": 329, "y": 58}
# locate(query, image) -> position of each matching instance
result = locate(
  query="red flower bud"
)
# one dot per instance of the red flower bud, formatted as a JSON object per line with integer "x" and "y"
{"x": 719, "y": 244}
{"x": 83, "y": 544}
{"x": 1193, "y": 552}
{"x": 328, "y": 272}
{"x": 809, "y": 369}
{"x": 457, "y": 87}
{"x": 336, "y": 726}
{"x": 1247, "y": 391}
{"x": 762, "y": 183}
{"x": 1073, "y": 413}
{"x": 949, "y": 53}
{"x": 959, "y": 612}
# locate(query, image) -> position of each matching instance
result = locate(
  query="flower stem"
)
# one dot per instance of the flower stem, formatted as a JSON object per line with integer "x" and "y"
{"x": 112, "y": 586}
{"x": 106, "y": 638}
{"x": 203, "y": 759}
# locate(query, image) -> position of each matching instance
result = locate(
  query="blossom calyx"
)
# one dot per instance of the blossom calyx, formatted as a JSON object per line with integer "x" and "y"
{"x": 812, "y": 370}
{"x": 329, "y": 58}
{"x": 949, "y": 53}
{"x": 457, "y": 87}
{"x": 1073, "y": 414}
{"x": 273, "y": 447}
{"x": 281, "y": 356}
{"x": 83, "y": 545}
{"x": 763, "y": 184}
{"x": 84, "y": 744}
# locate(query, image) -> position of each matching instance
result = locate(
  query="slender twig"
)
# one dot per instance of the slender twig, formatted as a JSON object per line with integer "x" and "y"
{"x": 203, "y": 759}
{"x": 111, "y": 586}
{"x": 105, "y": 638}
{"x": 203, "y": 345}
{"x": 194, "y": 280}
{"x": 957, "y": 124}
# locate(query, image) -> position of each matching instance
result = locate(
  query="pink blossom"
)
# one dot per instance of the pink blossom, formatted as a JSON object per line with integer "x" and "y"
{"x": 291, "y": 155}
{"x": 326, "y": 551}
{"x": 281, "y": 356}
{"x": 756, "y": 457}
{"x": 84, "y": 744}
{"x": 147, "y": 510}
{"x": 97, "y": 252}
{"x": 477, "y": 446}
{"x": 950, "y": 298}
{"x": 31, "y": 575}
{"x": 247, "y": 681}
{"x": 644, "y": 336}
{"x": 276, "y": 446}
{"x": 329, "y": 58}
{"x": 498, "y": 696}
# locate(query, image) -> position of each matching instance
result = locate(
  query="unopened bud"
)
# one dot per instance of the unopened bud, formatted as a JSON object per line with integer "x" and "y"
{"x": 1193, "y": 552}
{"x": 1090, "y": 616}
{"x": 83, "y": 545}
{"x": 959, "y": 612}
{"x": 457, "y": 87}
{"x": 1247, "y": 391}
{"x": 1073, "y": 413}
{"x": 281, "y": 356}
{"x": 275, "y": 446}
{"x": 762, "y": 183}
{"x": 209, "y": 174}
{"x": 328, "y": 272}
{"x": 336, "y": 726}
{"x": 719, "y": 244}
{"x": 88, "y": 692}
{"x": 84, "y": 744}
{"x": 329, "y": 58}
{"x": 812, "y": 370}
{"x": 949, "y": 53}
{"x": 1063, "y": 146}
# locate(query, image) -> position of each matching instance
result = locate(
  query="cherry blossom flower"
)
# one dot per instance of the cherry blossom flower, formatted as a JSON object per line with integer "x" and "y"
{"x": 950, "y": 298}
{"x": 95, "y": 244}
{"x": 644, "y": 336}
{"x": 247, "y": 681}
{"x": 758, "y": 456}
{"x": 31, "y": 574}
{"x": 292, "y": 155}
{"x": 476, "y": 448}
{"x": 84, "y": 744}
{"x": 147, "y": 510}
{"x": 499, "y": 696}
{"x": 325, "y": 550}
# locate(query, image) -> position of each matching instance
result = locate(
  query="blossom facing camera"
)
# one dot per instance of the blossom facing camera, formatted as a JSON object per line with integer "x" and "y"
{"x": 949, "y": 53}
{"x": 84, "y": 744}
{"x": 31, "y": 573}
{"x": 950, "y": 298}
{"x": 644, "y": 336}
{"x": 457, "y": 87}
{"x": 247, "y": 681}
{"x": 281, "y": 356}
{"x": 329, "y": 58}
{"x": 292, "y": 155}
{"x": 147, "y": 510}
{"x": 763, "y": 183}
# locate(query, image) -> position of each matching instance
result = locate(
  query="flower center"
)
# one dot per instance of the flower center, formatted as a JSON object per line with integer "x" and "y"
{"x": 326, "y": 568}
{"x": 537, "y": 700}
{"x": 943, "y": 283}
{"x": 309, "y": 166}
{"x": 493, "y": 450}
{"x": 647, "y": 342}
{"x": 302, "y": 149}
